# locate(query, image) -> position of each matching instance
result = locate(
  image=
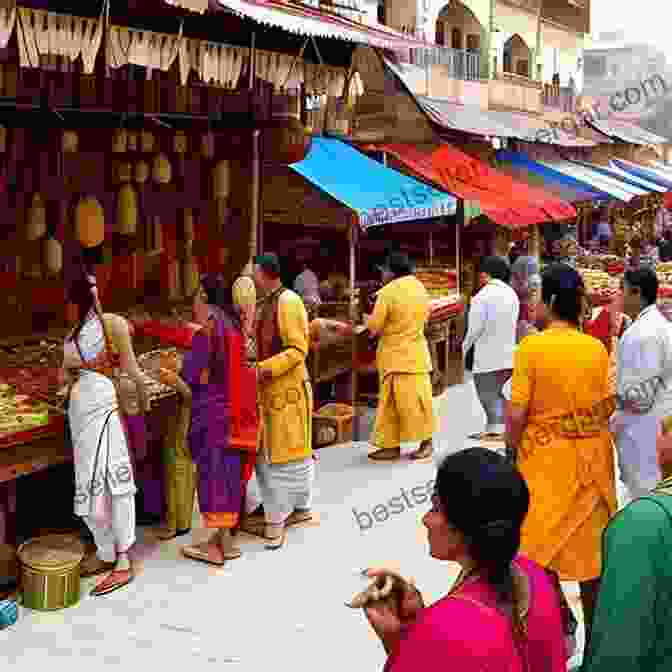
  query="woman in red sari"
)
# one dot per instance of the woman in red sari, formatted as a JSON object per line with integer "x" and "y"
{"x": 222, "y": 436}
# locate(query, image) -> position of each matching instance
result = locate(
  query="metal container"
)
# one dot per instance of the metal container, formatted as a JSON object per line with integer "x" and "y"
{"x": 50, "y": 572}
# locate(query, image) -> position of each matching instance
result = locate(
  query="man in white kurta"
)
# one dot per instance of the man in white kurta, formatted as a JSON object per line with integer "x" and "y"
{"x": 491, "y": 330}
{"x": 644, "y": 369}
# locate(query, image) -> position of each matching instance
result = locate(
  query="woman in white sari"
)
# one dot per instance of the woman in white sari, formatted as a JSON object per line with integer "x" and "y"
{"x": 104, "y": 483}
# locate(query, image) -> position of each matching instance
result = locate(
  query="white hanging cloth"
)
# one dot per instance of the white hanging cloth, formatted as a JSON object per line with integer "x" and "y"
{"x": 142, "y": 47}
{"x": 42, "y": 33}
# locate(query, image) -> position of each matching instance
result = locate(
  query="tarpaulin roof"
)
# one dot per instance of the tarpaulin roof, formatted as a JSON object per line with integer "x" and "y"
{"x": 624, "y": 176}
{"x": 613, "y": 186}
{"x": 585, "y": 191}
{"x": 378, "y": 194}
{"x": 305, "y": 20}
{"x": 504, "y": 200}
{"x": 495, "y": 123}
{"x": 658, "y": 175}
{"x": 626, "y": 132}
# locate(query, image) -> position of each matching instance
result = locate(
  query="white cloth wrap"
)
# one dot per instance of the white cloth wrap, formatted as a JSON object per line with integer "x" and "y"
{"x": 94, "y": 421}
{"x": 285, "y": 487}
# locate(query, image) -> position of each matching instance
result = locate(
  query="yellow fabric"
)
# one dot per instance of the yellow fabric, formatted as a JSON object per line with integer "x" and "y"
{"x": 405, "y": 410}
{"x": 244, "y": 292}
{"x": 399, "y": 316}
{"x": 287, "y": 400}
{"x": 180, "y": 471}
{"x": 561, "y": 377}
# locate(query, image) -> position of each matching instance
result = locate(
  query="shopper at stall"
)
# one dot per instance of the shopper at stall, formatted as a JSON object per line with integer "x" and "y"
{"x": 561, "y": 439}
{"x": 526, "y": 282}
{"x": 643, "y": 366}
{"x": 99, "y": 346}
{"x": 307, "y": 285}
{"x": 285, "y": 466}
{"x": 214, "y": 370}
{"x": 632, "y": 630}
{"x": 502, "y": 613}
{"x": 405, "y": 415}
{"x": 491, "y": 333}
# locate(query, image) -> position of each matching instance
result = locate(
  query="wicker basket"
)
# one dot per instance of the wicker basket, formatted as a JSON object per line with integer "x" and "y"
{"x": 337, "y": 416}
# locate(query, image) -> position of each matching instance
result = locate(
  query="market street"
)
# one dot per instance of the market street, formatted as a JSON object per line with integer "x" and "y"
{"x": 267, "y": 610}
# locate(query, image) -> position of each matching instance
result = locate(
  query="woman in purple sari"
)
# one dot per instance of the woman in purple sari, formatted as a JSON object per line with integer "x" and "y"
{"x": 213, "y": 369}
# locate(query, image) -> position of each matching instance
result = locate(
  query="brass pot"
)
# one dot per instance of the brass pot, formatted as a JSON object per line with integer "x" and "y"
{"x": 50, "y": 572}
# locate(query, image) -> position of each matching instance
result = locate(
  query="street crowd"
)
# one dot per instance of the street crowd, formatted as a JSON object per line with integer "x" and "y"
{"x": 518, "y": 521}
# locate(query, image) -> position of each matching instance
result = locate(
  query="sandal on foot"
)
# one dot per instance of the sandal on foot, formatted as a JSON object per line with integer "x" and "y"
{"x": 299, "y": 516}
{"x": 166, "y": 534}
{"x": 254, "y": 526}
{"x": 424, "y": 452}
{"x": 115, "y": 580}
{"x": 94, "y": 566}
{"x": 385, "y": 455}
{"x": 206, "y": 552}
{"x": 275, "y": 543}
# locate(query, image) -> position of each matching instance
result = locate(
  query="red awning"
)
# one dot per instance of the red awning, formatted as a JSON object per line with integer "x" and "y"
{"x": 504, "y": 200}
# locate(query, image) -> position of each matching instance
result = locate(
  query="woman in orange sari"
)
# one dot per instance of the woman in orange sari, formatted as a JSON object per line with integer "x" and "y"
{"x": 558, "y": 431}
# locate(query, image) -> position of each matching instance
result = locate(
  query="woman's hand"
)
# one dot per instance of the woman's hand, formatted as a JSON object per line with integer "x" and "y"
{"x": 168, "y": 377}
{"x": 388, "y": 616}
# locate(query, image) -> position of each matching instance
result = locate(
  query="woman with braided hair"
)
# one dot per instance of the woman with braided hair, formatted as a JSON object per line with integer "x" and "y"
{"x": 503, "y": 612}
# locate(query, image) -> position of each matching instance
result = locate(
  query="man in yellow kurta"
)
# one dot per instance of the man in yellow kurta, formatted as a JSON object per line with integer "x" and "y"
{"x": 285, "y": 466}
{"x": 405, "y": 414}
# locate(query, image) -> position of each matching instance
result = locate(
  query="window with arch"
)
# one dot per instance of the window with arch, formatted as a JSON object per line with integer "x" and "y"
{"x": 382, "y": 7}
{"x": 456, "y": 38}
{"x": 440, "y": 34}
{"x": 474, "y": 43}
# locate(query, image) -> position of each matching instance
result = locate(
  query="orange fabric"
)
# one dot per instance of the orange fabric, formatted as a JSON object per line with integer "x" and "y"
{"x": 566, "y": 453}
{"x": 220, "y": 520}
{"x": 504, "y": 200}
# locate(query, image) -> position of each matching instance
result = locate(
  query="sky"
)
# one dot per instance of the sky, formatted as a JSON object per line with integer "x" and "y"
{"x": 645, "y": 21}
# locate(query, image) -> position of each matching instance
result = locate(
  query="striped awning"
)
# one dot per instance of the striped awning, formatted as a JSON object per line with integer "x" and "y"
{"x": 626, "y": 132}
{"x": 303, "y": 19}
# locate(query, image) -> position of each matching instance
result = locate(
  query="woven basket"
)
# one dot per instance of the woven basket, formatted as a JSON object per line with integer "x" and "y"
{"x": 337, "y": 416}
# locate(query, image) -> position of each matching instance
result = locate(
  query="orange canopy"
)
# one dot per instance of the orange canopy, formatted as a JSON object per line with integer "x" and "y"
{"x": 504, "y": 200}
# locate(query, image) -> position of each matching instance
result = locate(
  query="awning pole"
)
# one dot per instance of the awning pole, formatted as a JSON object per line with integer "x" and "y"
{"x": 352, "y": 233}
{"x": 459, "y": 219}
{"x": 253, "y": 56}
{"x": 431, "y": 248}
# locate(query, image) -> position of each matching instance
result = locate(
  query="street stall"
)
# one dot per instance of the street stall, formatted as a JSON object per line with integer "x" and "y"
{"x": 344, "y": 204}
{"x": 162, "y": 180}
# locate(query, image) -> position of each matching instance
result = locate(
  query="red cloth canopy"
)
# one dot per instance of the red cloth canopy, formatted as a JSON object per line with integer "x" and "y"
{"x": 504, "y": 200}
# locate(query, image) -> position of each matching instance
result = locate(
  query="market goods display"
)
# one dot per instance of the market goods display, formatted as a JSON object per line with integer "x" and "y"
{"x": 446, "y": 307}
{"x": 19, "y": 413}
{"x": 609, "y": 263}
{"x": 664, "y": 272}
{"x": 600, "y": 286}
{"x": 151, "y": 363}
{"x": 438, "y": 282}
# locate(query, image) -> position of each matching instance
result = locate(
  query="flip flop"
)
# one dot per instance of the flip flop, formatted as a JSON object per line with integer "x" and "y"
{"x": 296, "y": 517}
{"x": 101, "y": 590}
{"x": 95, "y": 567}
{"x": 197, "y": 553}
{"x": 385, "y": 455}
{"x": 167, "y": 534}
{"x": 276, "y": 543}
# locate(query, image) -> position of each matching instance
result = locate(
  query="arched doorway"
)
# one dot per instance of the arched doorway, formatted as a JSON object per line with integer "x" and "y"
{"x": 458, "y": 28}
{"x": 517, "y": 57}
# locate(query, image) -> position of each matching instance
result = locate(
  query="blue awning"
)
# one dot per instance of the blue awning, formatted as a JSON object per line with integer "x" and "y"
{"x": 582, "y": 190}
{"x": 621, "y": 175}
{"x": 615, "y": 188}
{"x": 651, "y": 174}
{"x": 378, "y": 194}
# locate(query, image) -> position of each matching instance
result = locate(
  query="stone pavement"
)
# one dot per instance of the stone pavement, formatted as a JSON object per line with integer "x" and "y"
{"x": 270, "y": 609}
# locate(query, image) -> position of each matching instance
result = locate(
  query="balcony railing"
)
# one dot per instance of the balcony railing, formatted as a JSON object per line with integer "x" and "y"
{"x": 348, "y": 9}
{"x": 560, "y": 98}
{"x": 461, "y": 64}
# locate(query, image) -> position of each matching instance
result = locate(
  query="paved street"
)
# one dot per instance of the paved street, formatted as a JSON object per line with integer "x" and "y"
{"x": 267, "y": 610}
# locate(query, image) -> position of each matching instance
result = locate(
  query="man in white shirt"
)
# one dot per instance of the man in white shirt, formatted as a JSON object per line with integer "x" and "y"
{"x": 492, "y": 320}
{"x": 307, "y": 285}
{"x": 644, "y": 369}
